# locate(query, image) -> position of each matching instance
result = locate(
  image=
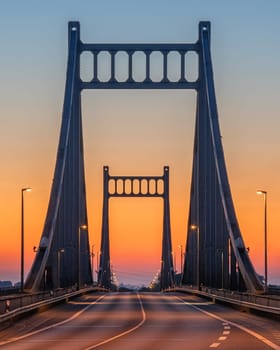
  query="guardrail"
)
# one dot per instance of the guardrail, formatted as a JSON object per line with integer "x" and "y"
{"x": 14, "y": 306}
{"x": 9, "y": 290}
{"x": 15, "y": 301}
{"x": 262, "y": 303}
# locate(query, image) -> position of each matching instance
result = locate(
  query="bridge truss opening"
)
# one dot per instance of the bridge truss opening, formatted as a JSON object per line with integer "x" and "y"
{"x": 211, "y": 206}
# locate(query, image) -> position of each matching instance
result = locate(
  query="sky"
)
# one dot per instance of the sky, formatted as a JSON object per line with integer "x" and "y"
{"x": 138, "y": 132}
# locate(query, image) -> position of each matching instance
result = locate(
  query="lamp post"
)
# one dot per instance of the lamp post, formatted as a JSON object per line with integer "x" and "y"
{"x": 60, "y": 250}
{"x": 181, "y": 262}
{"x": 97, "y": 264}
{"x": 196, "y": 227}
{"x": 264, "y": 193}
{"x": 92, "y": 262}
{"x": 181, "y": 256}
{"x": 81, "y": 227}
{"x": 174, "y": 261}
{"x": 26, "y": 189}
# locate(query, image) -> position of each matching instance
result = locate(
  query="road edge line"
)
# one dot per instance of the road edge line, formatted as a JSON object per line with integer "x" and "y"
{"x": 77, "y": 314}
{"x": 244, "y": 329}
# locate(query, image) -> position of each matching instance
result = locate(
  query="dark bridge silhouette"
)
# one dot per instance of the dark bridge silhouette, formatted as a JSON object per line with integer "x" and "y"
{"x": 215, "y": 251}
{"x": 137, "y": 186}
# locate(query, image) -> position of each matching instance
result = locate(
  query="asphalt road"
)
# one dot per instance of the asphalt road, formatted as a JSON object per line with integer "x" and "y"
{"x": 146, "y": 321}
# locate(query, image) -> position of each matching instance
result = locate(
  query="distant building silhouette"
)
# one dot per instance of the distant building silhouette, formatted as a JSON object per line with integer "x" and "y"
{"x": 6, "y": 284}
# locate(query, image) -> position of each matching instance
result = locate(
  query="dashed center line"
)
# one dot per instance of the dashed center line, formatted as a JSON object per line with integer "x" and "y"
{"x": 222, "y": 338}
{"x": 125, "y": 332}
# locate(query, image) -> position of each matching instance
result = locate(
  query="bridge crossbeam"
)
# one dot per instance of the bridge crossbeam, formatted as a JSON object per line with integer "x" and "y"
{"x": 136, "y": 186}
{"x": 145, "y": 51}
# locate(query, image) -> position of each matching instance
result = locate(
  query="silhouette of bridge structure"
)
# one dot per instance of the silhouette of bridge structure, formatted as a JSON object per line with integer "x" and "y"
{"x": 215, "y": 251}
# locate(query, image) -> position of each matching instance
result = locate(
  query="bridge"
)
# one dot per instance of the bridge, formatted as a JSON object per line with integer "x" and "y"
{"x": 216, "y": 257}
{"x": 215, "y": 251}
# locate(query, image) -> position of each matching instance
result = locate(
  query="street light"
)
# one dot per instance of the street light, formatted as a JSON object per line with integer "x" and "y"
{"x": 196, "y": 227}
{"x": 174, "y": 261}
{"x": 60, "y": 250}
{"x": 92, "y": 261}
{"x": 26, "y": 189}
{"x": 264, "y": 193}
{"x": 181, "y": 255}
{"x": 97, "y": 263}
{"x": 81, "y": 227}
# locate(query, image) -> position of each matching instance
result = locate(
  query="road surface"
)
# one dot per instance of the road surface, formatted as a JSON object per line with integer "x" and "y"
{"x": 145, "y": 321}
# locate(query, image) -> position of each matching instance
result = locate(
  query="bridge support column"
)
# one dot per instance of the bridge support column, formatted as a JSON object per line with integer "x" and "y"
{"x": 167, "y": 270}
{"x": 104, "y": 273}
{"x": 67, "y": 209}
{"x": 211, "y": 204}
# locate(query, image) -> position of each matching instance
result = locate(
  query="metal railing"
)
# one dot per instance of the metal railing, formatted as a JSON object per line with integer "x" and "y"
{"x": 265, "y": 303}
{"x": 11, "y": 303}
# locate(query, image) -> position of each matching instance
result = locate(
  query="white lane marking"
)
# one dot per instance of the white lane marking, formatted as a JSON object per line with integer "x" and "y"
{"x": 93, "y": 326}
{"x": 244, "y": 329}
{"x": 77, "y": 314}
{"x": 226, "y": 332}
{"x": 222, "y": 338}
{"x": 194, "y": 303}
{"x": 214, "y": 345}
{"x": 123, "y": 333}
{"x": 227, "y": 327}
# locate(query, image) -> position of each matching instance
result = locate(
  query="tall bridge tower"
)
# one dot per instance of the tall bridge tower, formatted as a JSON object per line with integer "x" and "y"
{"x": 215, "y": 251}
{"x": 136, "y": 186}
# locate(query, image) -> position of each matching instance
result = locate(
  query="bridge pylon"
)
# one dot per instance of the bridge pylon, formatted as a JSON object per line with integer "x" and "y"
{"x": 136, "y": 186}
{"x": 216, "y": 255}
{"x": 63, "y": 256}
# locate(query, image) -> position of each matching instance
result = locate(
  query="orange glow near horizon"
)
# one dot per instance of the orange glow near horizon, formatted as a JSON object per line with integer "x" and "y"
{"x": 135, "y": 232}
{"x": 138, "y": 145}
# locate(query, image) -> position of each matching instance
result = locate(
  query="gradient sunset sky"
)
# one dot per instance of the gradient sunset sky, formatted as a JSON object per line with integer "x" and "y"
{"x": 138, "y": 132}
